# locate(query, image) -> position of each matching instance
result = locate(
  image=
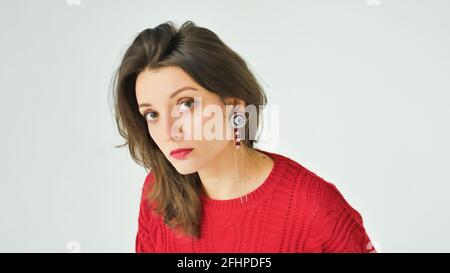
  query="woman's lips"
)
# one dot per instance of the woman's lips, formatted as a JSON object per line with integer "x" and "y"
{"x": 180, "y": 153}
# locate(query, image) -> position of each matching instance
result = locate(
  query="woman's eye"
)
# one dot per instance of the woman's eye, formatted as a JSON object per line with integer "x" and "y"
{"x": 186, "y": 105}
{"x": 183, "y": 106}
{"x": 149, "y": 116}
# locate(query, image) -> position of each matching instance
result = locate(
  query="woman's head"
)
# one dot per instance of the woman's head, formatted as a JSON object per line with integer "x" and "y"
{"x": 155, "y": 119}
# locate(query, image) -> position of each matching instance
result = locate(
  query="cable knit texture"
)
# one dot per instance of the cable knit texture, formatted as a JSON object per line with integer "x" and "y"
{"x": 293, "y": 210}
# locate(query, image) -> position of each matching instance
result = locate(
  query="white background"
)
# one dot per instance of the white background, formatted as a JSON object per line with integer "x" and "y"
{"x": 362, "y": 88}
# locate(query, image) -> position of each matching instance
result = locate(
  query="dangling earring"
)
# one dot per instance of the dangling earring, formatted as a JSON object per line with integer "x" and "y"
{"x": 237, "y": 121}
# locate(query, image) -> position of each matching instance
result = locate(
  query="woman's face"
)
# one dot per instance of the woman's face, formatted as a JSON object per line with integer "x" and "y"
{"x": 182, "y": 114}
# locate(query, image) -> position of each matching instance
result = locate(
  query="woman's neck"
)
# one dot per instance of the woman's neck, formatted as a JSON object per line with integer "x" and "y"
{"x": 219, "y": 180}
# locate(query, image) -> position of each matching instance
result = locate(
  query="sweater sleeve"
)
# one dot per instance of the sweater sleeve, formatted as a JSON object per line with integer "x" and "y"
{"x": 336, "y": 227}
{"x": 146, "y": 224}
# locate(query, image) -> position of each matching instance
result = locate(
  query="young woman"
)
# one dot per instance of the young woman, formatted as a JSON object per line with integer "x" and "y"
{"x": 220, "y": 193}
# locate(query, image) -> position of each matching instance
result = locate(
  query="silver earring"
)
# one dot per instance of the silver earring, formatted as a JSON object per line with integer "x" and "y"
{"x": 237, "y": 121}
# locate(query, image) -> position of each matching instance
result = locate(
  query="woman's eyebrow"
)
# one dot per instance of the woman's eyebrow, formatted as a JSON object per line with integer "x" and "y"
{"x": 172, "y": 95}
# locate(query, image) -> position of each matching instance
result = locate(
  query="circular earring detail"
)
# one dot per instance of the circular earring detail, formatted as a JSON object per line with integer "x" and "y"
{"x": 237, "y": 121}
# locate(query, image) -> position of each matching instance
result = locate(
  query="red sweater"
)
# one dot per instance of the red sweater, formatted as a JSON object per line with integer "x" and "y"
{"x": 294, "y": 210}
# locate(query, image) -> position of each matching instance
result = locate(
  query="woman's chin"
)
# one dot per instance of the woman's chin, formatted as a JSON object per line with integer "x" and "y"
{"x": 185, "y": 170}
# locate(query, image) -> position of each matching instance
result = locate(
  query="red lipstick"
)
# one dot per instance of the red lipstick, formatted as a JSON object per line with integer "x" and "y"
{"x": 181, "y": 153}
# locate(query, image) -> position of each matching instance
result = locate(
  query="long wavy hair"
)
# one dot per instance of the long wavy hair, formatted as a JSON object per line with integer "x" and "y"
{"x": 214, "y": 66}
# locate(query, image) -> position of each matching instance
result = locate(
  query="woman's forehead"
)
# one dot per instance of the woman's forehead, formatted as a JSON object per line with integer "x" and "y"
{"x": 165, "y": 80}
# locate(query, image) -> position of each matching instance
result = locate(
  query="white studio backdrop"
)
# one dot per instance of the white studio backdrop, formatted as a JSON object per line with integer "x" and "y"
{"x": 362, "y": 88}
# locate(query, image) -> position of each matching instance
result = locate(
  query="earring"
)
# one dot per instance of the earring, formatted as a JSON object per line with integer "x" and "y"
{"x": 237, "y": 121}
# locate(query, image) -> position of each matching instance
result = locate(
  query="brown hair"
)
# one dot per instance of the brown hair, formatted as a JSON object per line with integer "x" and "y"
{"x": 214, "y": 66}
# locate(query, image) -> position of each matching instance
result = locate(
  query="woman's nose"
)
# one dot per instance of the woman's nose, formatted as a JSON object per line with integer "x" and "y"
{"x": 173, "y": 128}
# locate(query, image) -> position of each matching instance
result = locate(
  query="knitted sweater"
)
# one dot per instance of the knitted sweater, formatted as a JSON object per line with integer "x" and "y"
{"x": 293, "y": 210}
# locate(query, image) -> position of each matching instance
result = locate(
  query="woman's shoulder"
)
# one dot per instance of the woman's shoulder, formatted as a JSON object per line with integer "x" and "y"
{"x": 334, "y": 225}
{"x": 149, "y": 181}
{"x": 308, "y": 182}
{"x": 311, "y": 191}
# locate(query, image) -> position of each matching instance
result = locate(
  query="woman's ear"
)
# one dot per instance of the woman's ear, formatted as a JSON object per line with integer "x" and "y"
{"x": 235, "y": 101}
{"x": 240, "y": 103}
{"x": 233, "y": 104}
